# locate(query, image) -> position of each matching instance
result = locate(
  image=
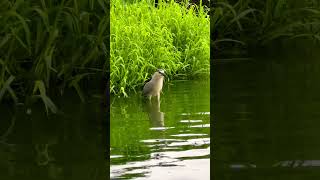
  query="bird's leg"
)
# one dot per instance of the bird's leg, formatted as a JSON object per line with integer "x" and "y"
{"x": 158, "y": 96}
{"x": 149, "y": 97}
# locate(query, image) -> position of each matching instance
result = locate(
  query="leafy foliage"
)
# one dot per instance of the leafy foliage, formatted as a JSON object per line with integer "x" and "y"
{"x": 50, "y": 45}
{"x": 143, "y": 38}
{"x": 259, "y": 23}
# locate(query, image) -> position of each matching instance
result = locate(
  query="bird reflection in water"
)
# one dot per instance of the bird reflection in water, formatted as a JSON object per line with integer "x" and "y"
{"x": 155, "y": 115}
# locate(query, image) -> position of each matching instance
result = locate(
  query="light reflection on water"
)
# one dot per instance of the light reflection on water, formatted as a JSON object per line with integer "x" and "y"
{"x": 170, "y": 140}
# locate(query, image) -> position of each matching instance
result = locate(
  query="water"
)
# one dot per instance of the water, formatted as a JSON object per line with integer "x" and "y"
{"x": 267, "y": 119}
{"x": 265, "y": 126}
{"x": 69, "y": 145}
{"x": 170, "y": 140}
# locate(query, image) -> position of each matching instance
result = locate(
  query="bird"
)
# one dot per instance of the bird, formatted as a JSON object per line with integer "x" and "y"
{"x": 154, "y": 86}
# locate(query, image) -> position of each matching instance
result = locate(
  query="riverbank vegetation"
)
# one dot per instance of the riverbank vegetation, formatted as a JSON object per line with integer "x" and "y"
{"x": 49, "y": 46}
{"x": 239, "y": 26}
{"x": 171, "y": 36}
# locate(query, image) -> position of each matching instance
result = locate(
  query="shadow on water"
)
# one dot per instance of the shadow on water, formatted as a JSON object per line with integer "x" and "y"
{"x": 267, "y": 113}
{"x": 68, "y": 145}
{"x": 167, "y": 141}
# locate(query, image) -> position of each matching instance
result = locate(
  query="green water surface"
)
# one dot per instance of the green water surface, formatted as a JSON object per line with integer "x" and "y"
{"x": 267, "y": 113}
{"x": 170, "y": 140}
{"x": 69, "y": 145}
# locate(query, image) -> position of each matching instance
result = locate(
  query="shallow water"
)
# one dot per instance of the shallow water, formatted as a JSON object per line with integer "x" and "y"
{"x": 266, "y": 126}
{"x": 267, "y": 119}
{"x": 170, "y": 140}
{"x": 69, "y": 145}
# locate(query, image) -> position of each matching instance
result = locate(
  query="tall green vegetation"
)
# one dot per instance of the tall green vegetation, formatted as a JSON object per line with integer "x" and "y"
{"x": 243, "y": 23}
{"x": 144, "y": 38}
{"x": 47, "y": 46}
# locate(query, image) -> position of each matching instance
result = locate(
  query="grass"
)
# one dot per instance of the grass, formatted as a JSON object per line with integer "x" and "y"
{"x": 144, "y": 38}
{"x": 48, "y": 46}
{"x": 251, "y": 23}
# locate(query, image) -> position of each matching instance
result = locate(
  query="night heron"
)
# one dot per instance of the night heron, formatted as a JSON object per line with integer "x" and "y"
{"x": 154, "y": 86}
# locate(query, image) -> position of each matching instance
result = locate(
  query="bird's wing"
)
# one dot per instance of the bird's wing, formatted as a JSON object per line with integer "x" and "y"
{"x": 147, "y": 88}
{"x": 148, "y": 80}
